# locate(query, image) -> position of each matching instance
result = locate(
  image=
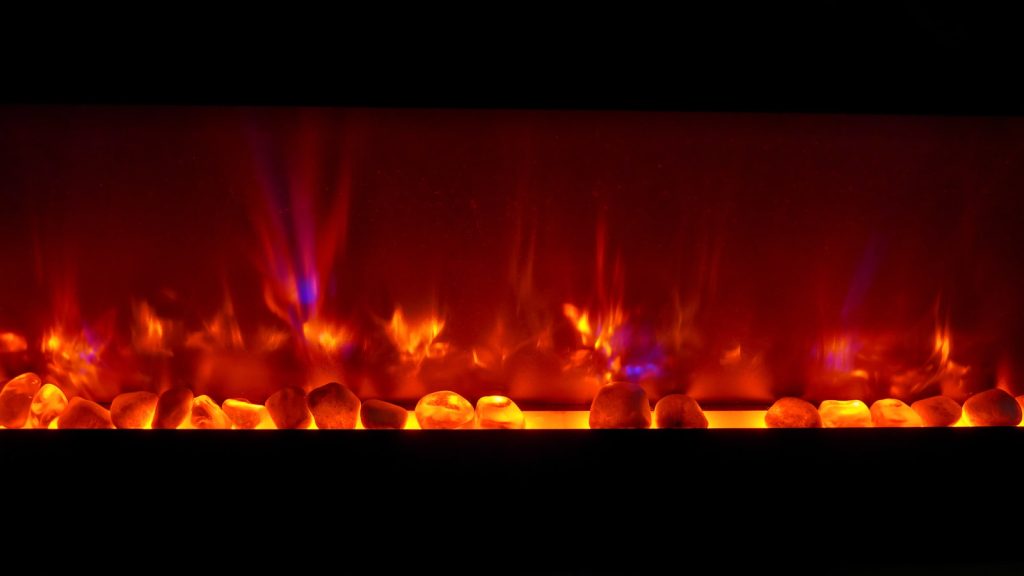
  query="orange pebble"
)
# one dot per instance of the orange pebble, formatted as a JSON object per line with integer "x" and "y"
{"x": 133, "y": 409}
{"x": 893, "y": 413}
{"x": 287, "y": 407}
{"x": 444, "y": 409}
{"x": 48, "y": 403}
{"x": 244, "y": 414}
{"x": 992, "y": 408}
{"x": 792, "y": 413}
{"x": 82, "y": 413}
{"x": 381, "y": 414}
{"x": 499, "y": 412}
{"x": 844, "y": 414}
{"x": 207, "y": 415}
{"x": 937, "y": 411}
{"x": 620, "y": 405}
{"x": 333, "y": 407}
{"x": 173, "y": 408}
{"x": 16, "y": 399}
{"x": 679, "y": 411}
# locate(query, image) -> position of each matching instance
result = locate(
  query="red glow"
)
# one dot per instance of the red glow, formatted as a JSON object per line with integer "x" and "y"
{"x": 528, "y": 255}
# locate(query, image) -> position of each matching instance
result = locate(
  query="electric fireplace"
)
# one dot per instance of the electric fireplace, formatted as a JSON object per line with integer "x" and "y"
{"x": 716, "y": 320}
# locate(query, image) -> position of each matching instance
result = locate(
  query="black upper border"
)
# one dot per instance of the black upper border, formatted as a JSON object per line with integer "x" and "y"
{"x": 900, "y": 58}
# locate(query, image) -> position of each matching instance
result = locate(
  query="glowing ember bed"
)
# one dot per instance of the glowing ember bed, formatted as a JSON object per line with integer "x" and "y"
{"x": 26, "y": 403}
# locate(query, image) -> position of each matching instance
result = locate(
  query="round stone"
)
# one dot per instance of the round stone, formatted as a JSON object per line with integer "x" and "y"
{"x": 937, "y": 411}
{"x": 792, "y": 412}
{"x": 992, "y": 408}
{"x": 679, "y": 411}
{"x": 620, "y": 405}
{"x": 444, "y": 409}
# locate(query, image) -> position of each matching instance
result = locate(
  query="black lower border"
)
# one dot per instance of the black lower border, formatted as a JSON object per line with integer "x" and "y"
{"x": 923, "y": 497}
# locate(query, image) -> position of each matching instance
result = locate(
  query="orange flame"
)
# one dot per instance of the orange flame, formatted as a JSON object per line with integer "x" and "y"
{"x": 327, "y": 337}
{"x": 417, "y": 341}
{"x": 223, "y": 333}
{"x": 150, "y": 332}
{"x": 599, "y": 334}
{"x": 11, "y": 342}
{"x": 599, "y": 338}
{"x": 943, "y": 343}
{"x": 72, "y": 359}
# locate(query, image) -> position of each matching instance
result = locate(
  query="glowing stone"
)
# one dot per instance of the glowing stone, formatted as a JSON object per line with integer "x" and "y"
{"x": 380, "y": 414}
{"x": 244, "y": 414}
{"x": 844, "y": 414}
{"x": 206, "y": 415}
{"x": 893, "y": 413}
{"x": 16, "y": 399}
{"x": 499, "y": 412}
{"x": 48, "y": 403}
{"x": 620, "y": 405}
{"x": 133, "y": 409}
{"x": 82, "y": 413}
{"x": 288, "y": 409}
{"x": 173, "y": 407}
{"x": 444, "y": 410}
{"x": 334, "y": 407}
{"x": 792, "y": 413}
{"x": 937, "y": 411}
{"x": 679, "y": 411}
{"x": 992, "y": 408}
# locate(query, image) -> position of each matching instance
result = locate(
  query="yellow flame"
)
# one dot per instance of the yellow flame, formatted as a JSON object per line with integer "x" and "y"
{"x": 601, "y": 338}
{"x": 52, "y": 343}
{"x": 581, "y": 319}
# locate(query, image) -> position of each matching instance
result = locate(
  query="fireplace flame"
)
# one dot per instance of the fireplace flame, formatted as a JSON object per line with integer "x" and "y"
{"x": 11, "y": 342}
{"x": 150, "y": 332}
{"x": 417, "y": 340}
{"x": 221, "y": 332}
{"x": 72, "y": 358}
{"x": 326, "y": 337}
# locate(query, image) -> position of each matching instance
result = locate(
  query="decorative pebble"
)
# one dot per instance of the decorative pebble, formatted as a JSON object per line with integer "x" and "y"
{"x": 48, "y": 403}
{"x": 444, "y": 409}
{"x": 937, "y": 411}
{"x": 133, "y": 409}
{"x": 206, "y": 415}
{"x": 376, "y": 414}
{"x": 499, "y": 412}
{"x": 173, "y": 408}
{"x": 16, "y": 399}
{"x": 287, "y": 408}
{"x": 620, "y": 405}
{"x": 992, "y": 408}
{"x": 334, "y": 407}
{"x": 844, "y": 414}
{"x": 82, "y": 413}
{"x": 792, "y": 412}
{"x": 244, "y": 414}
{"x": 679, "y": 411}
{"x": 893, "y": 413}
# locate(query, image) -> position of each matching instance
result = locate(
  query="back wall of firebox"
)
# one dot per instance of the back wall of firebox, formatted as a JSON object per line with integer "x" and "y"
{"x": 794, "y": 243}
